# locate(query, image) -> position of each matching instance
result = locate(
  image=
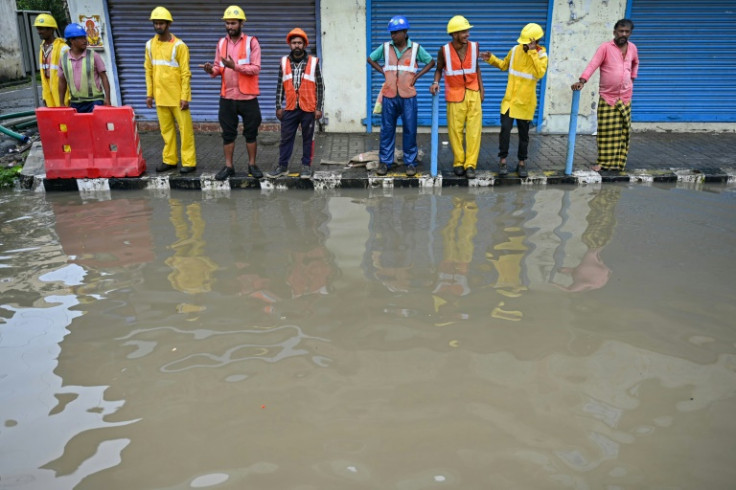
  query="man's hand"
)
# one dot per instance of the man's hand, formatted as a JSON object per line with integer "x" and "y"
{"x": 317, "y": 115}
{"x": 149, "y": 102}
{"x": 485, "y": 55}
{"x": 229, "y": 63}
{"x": 184, "y": 105}
{"x": 279, "y": 114}
{"x": 434, "y": 89}
{"x": 208, "y": 68}
{"x": 532, "y": 45}
{"x": 578, "y": 85}
{"x": 107, "y": 101}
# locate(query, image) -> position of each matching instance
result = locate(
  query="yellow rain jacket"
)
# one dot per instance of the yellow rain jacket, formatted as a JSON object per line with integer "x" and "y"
{"x": 51, "y": 84}
{"x": 168, "y": 79}
{"x": 525, "y": 69}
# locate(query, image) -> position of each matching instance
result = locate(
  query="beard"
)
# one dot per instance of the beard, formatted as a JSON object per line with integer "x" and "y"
{"x": 620, "y": 41}
{"x": 297, "y": 53}
{"x": 160, "y": 32}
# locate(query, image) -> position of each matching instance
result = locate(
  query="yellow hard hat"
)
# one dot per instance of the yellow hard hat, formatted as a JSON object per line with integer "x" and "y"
{"x": 530, "y": 32}
{"x": 161, "y": 13}
{"x": 45, "y": 20}
{"x": 458, "y": 23}
{"x": 234, "y": 12}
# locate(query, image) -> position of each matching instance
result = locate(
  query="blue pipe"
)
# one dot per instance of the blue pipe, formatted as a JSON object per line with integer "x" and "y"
{"x": 572, "y": 131}
{"x": 435, "y": 133}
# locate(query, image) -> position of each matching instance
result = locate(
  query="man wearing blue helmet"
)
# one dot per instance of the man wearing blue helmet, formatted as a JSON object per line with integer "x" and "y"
{"x": 83, "y": 72}
{"x": 400, "y": 67}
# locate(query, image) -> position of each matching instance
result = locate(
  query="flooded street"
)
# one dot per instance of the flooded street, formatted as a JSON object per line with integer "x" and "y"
{"x": 562, "y": 337}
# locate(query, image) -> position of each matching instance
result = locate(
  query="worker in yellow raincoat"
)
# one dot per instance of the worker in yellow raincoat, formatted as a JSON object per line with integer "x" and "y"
{"x": 49, "y": 55}
{"x": 168, "y": 83}
{"x": 526, "y": 63}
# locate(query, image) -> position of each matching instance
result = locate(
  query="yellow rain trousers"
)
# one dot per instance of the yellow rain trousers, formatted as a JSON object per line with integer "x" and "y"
{"x": 168, "y": 81}
{"x": 467, "y": 115}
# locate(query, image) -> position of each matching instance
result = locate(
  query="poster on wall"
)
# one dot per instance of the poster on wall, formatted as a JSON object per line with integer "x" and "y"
{"x": 93, "y": 26}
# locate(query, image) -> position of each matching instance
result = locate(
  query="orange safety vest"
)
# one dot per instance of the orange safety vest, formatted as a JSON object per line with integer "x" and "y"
{"x": 399, "y": 72}
{"x": 306, "y": 96}
{"x": 248, "y": 84}
{"x": 460, "y": 75}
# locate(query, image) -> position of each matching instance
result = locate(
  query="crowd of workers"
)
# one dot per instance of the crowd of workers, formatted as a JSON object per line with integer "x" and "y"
{"x": 73, "y": 75}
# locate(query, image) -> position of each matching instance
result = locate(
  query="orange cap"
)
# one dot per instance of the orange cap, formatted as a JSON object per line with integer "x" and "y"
{"x": 297, "y": 32}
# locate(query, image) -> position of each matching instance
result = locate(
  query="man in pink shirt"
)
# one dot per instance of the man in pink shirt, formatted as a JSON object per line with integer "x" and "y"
{"x": 83, "y": 72}
{"x": 618, "y": 61}
{"x": 238, "y": 62}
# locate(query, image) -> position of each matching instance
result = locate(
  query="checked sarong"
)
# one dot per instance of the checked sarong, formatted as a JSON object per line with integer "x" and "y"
{"x": 614, "y": 133}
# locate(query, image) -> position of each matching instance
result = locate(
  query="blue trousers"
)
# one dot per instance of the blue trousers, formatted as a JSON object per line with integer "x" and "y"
{"x": 85, "y": 107}
{"x": 290, "y": 121}
{"x": 393, "y": 108}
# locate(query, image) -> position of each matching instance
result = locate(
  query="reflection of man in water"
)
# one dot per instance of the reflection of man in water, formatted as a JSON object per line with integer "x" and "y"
{"x": 592, "y": 273}
{"x": 457, "y": 241}
{"x": 191, "y": 268}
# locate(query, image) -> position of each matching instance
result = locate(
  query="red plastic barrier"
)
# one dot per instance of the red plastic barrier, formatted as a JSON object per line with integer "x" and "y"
{"x": 104, "y": 143}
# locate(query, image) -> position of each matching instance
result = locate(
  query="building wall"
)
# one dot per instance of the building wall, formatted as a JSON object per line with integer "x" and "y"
{"x": 98, "y": 7}
{"x": 343, "y": 63}
{"x": 11, "y": 64}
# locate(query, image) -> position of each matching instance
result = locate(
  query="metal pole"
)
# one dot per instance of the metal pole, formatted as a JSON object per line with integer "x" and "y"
{"x": 572, "y": 131}
{"x": 435, "y": 133}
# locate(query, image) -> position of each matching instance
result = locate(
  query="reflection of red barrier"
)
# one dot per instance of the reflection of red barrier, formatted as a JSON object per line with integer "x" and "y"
{"x": 104, "y": 143}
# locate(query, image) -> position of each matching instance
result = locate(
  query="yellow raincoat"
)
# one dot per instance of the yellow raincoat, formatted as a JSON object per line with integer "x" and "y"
{"x": 525, "y": 70}
{"x": 51, "y": 84}
{"x": 168, "y": 81}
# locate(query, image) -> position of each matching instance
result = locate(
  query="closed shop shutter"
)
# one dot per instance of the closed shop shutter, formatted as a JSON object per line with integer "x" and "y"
{"x": 496, "y": 27}
{"x": 200, "y": 26}
{"x": 686, "y": 71}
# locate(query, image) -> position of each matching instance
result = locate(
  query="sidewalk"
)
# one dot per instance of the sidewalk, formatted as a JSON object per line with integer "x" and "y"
{"x": 653, "y": 157}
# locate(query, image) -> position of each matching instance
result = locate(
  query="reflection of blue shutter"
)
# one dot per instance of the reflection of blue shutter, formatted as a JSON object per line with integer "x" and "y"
{"x": 200, "y": 26}
{"x": 496, "y": 26}
{"x": 687, "y": 72}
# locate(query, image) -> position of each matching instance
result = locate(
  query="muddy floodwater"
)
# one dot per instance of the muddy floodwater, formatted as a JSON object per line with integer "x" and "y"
{"x": 520, "y": 338}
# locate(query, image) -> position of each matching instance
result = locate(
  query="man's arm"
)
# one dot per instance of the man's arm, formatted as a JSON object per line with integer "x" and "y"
{"x": 435, "y": 87}
{"x": 62, "y": 90}
{"x": 320, "y": 93}
{"x": 105, "y": 87}
{"x": 480, "y": 77}
{"x": 182, "y": 57}
{"x": 280, "y": 93}
{"x": 148, "y": 66}
{"x": 373, "y": 58}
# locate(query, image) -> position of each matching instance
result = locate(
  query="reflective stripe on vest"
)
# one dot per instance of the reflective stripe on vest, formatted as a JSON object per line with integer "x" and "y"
{"x": 448, "y": 61}
{"x": 306, "y": 95}
{"x": 172, "y": 63}
{"x": 87, "y": 90}
{"x": 412, "y": 64}
{"x": 521, "y": 74}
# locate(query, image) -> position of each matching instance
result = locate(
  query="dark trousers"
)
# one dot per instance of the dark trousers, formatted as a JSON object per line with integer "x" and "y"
{"x": 503, "y": 139}
{"x": 406, "y": 109}
{"x": 290, "y": 121}
{"x": 85, "y": 107}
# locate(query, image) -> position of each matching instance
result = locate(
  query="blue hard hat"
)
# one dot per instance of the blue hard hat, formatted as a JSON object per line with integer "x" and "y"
{"x": 74, "y": 30}
{"x": 398, "y": 23}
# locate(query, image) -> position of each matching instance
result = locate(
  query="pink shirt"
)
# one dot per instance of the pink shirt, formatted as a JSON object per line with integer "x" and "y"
{"x": 231, "y": 76}
{"x": 617, "y": 72}
{"x": 77, "y": 64}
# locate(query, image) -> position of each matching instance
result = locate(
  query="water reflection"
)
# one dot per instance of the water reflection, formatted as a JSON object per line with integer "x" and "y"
{"x": 398, "y": 341}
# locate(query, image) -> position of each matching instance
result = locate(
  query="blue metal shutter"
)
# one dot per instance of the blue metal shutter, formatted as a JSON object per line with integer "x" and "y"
{"x": 496, "y": 26}
{"x": 687, "y": 72}
{"x": 200, "y": 26}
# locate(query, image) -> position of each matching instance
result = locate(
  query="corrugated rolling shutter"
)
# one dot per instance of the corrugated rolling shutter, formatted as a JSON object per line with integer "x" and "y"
{"x": 686, "y": 70}
{"x": 496, "y": 26}
{"x": 200, "y": 26}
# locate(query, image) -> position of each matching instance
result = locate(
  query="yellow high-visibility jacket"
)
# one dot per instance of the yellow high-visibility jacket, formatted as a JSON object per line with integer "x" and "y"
{"x": 50, "y": 85}
{"x": 168, "y": 79}
{"x": 525, "y": 69}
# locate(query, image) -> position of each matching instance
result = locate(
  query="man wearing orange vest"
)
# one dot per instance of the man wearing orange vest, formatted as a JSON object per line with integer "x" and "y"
{"x": 238, "y": 62}
{"x": 464, "y": 93}
{"x": 299, "y": 102}
{"x": 50, "y": 54}
{"x": 399, "y": 95}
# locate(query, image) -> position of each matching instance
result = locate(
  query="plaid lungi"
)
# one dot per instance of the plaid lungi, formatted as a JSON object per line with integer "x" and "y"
{"x": 614, "y": 133}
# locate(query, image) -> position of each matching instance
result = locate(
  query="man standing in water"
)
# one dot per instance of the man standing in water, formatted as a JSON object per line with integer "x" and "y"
{"x": 168, "y": 83}
{"x": 238, "y": 62}
{"x": 399, "y": 95}
{"x": 619, "y": 64}
{"x": 301, "y": 90}
{"x": 50, "y": 54}
{"x": 464, "y": 93}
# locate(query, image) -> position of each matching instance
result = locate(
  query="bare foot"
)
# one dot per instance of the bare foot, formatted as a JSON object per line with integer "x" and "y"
{"x": 595, "y": 168}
